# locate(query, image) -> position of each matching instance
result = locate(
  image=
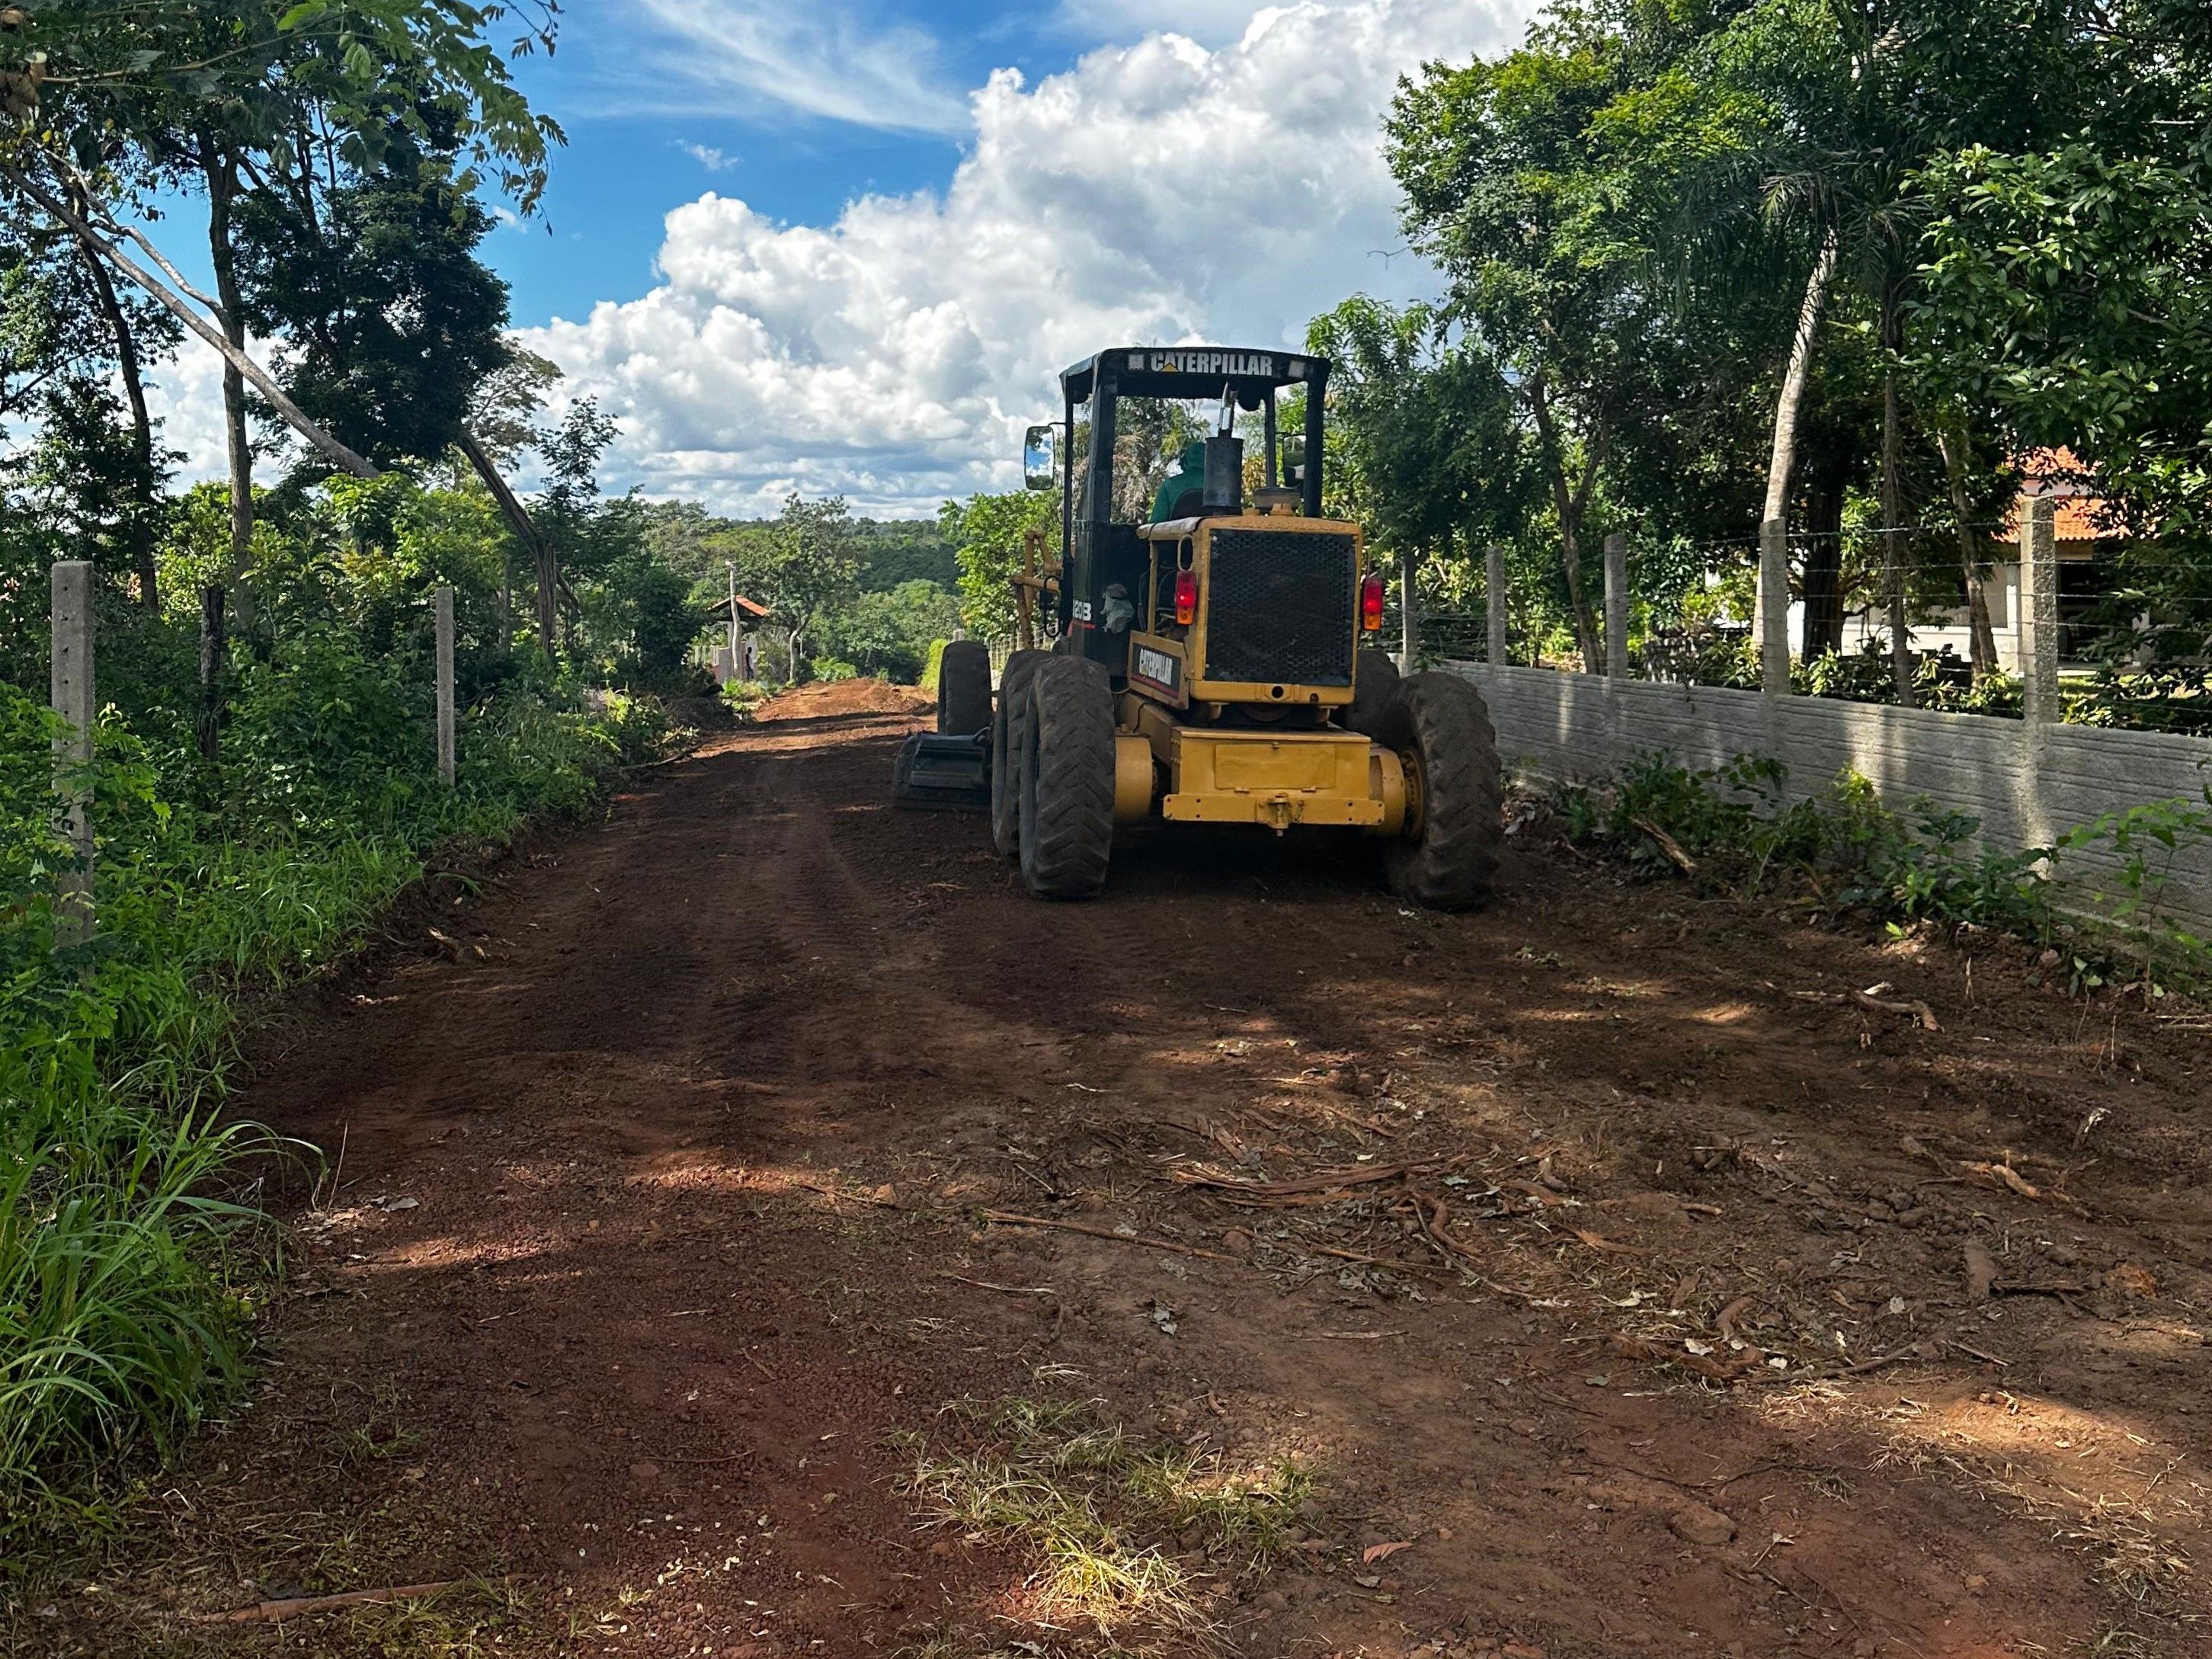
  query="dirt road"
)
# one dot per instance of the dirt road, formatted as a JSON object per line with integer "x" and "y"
{"x": 1657, "y": 1295}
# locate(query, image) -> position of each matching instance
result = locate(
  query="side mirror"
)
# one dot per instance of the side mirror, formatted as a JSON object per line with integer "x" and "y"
{"x": 1040, "y": 458}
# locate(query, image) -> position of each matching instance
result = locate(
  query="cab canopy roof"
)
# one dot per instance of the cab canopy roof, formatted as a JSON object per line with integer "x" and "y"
{"x": 1193, "y": 372}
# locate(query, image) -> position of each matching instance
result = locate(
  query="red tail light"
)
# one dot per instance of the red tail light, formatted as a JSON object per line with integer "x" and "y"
{"x": 1371, "y": 605}
{"x": 1186, "y": 596}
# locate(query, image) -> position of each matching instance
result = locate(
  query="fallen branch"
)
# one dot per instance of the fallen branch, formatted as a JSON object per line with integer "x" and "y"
{"x": 1422, "y": 1268}
{"x": 297, "y": 1606}
{"x": 830, "y": 1192}
{"x": 1007, "y": 1218}
{"x": 1596, "y": 1241}
{"x": 1637, "y": 1347}
{"x": 2009, "y": 1179}
{"x": 1667, "y": 845}
{"x": 1011, "y": 1289}
{"x": 1871, "y": 999}
{"x": 1325, "y": 1181}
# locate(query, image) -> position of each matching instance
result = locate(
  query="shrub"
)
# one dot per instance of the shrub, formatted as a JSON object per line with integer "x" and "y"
{"x": 126, "y": 1243}
{"x": 1845, "y": 850}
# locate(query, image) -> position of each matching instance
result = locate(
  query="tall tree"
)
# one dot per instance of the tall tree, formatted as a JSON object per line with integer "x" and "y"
{"x": 808, "y": 563}
{"x": 1510, "y": 190}
{"x": 112, "y": 98}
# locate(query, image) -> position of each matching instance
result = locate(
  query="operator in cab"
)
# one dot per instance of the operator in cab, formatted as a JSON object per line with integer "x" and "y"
{"x": 1188, "y": 479}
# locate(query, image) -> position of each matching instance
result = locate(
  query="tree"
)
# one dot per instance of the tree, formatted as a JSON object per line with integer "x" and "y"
{"x": 113, "y": 100}
{"x": 808, "y": 563}
{"x": 393, "y": 323}
{"x": 570, "y": 525}
{"x": 1508, "y": 187}
{"x": 987, "y": 534}
{"x": 890, "y": 631}
{"x": 1427, "y": 438}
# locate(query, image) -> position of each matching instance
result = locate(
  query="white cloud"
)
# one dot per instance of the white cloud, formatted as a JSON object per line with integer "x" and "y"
{"x": 708, "y": 156}
{"x": 1161, "y": 191}
{"x": 1158, "y": 192}
{"x": 185, "y": 395}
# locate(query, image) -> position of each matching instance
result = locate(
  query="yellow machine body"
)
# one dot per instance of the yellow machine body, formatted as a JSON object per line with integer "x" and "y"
{"x": 1197, "y": 748}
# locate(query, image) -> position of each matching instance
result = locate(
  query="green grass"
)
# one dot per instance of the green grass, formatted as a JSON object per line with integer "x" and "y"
{"x": 131, "y": 1244}
{"x": 1112, "y": 1522}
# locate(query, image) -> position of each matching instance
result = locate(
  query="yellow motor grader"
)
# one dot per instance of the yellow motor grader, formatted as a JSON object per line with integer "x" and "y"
{"x": 1207, "y": 664}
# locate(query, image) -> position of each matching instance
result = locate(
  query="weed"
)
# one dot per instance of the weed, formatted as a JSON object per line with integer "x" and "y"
{"x": 1101, "y": 1510}
{"x": 2096, "y": 895}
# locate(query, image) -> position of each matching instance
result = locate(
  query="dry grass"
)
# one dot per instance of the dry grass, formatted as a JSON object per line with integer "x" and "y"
{"x": 1133, "y": 1540}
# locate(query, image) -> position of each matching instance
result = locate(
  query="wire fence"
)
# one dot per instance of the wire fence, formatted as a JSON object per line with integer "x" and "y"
{"x": 2132, "y": 620}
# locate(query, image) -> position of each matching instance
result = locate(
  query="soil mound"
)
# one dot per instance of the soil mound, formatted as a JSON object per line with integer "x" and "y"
{"x": 829, "y": 698}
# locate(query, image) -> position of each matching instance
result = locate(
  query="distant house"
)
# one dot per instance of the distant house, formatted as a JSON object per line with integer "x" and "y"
{"x": 2076, "y": 524}
{"x": 736, "y": 659}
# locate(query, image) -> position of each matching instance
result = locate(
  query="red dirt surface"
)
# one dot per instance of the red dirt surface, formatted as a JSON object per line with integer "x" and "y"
{"x": 1713, "y": 1311}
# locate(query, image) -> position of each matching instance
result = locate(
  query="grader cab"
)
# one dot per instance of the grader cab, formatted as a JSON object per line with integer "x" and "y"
{"x": 1206, "y": 663}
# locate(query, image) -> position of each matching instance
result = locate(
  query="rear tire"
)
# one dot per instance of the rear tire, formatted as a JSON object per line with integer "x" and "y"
{"x": 1374, "y": 683}
{"x": 1067, "y": 833}
{"x": 963, "y": 688}
{"x": 1009, "y": 739}
{"x": 1440, "y": 729}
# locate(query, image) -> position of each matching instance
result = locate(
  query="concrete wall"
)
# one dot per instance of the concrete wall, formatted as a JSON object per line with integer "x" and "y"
{"x": 2027, "y": 785}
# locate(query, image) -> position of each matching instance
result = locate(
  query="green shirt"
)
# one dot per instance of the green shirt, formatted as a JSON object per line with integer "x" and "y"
{"x": 1173, "y": 487}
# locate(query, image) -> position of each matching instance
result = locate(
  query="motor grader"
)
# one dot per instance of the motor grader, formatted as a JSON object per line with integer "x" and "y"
{"x": 1207, "y": 664}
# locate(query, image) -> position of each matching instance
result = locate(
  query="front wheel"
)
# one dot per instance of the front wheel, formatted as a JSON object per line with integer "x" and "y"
{"x": 1009, "y": 740}
{"x": 1446, "y": 857}
{"x": 1068, "y": 780}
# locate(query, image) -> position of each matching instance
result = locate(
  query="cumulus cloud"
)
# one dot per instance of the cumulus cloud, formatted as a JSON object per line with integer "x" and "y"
{"x": 1155, "y": 193}
{"x": 1158, "y": 192}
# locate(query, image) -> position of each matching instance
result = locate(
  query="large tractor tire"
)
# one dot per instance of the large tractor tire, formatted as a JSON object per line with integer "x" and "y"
{"x": 1448, "y": 859}
{"x": 1067, "y": 832}
{"x": 1374, "y": 683}
{"x": 1009, "y": 740}
{"x": 963, "y": 688}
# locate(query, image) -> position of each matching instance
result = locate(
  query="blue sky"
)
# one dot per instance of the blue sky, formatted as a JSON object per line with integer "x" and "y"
{"x": 841, "y": 246}
{"x": 644, "y": 137}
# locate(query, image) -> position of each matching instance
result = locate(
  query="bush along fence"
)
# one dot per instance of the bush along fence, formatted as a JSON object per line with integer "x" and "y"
{"x": 2096, "y": 824}
{"x": 152, "y": 893}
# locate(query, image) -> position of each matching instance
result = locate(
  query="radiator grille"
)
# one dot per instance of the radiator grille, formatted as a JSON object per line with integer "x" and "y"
{"x": 1282, "y": 609}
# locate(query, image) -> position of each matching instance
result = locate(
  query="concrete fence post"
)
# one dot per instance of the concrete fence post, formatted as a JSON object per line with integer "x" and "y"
{"x": 75, "y": 701}
{"x": 1409, "y": 611}
{"x": 1493, "y": 583}
{"x": 1774, "y": 608}
{"x": 208, "y": 724}
{"x": 2039, "y": 614}
{"x": 1616, "y": 607}
{"x": 445, "y": 610}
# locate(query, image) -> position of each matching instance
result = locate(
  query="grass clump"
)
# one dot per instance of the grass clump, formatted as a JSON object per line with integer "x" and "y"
{"x": 1133, "y": 1538}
